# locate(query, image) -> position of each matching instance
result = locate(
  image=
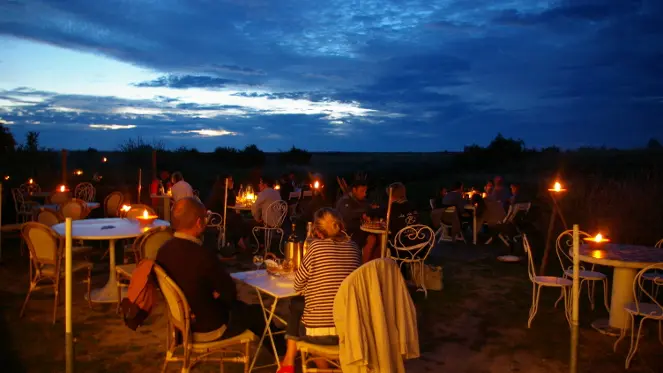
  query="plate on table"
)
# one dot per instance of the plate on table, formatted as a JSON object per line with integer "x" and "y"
{"x": 508, "y": 258}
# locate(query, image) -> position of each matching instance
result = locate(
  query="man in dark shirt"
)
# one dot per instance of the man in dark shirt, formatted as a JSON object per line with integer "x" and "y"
{"x": 353, "y": 207}
{"x": 208, "y": 288}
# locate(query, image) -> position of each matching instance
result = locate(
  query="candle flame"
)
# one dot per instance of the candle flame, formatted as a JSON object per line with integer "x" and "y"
{"x": 30, "y": 181}
{"x": 7, "y": 177}
{"x": 316, "y": 185}
{"x": 78, "y": 172}
{"x": 557, "y": 187}
{"x": 104, "y": 159}
{"x": 277, "y": 187}
{"x": 145, "y": 214}
{"x": 598, "y": 238}
{"x": 62, "y": 188}
{"x": 126, "y": 208}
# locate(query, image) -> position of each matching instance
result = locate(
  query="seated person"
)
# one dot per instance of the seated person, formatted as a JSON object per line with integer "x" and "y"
{"x": 180, "y": 189}
{"x": 286, "y": 188}
{"x": 331, "y": 257}
{"x": 488, "y": 188}
{"x": 266, "y": 197}
{"x": 437, "y": 207}
{"x": 438, "y": 202}
{"x": 215, "y": 203}
{"x": 500, "y": 193}
{"x": 516, "y": 195}
{"x": 207, "y": 286}
{"x": 352, "y": 207}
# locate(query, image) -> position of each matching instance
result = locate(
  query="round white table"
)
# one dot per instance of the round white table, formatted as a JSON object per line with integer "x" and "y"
{"x": 111, "y": 229}
{"x": 90, "y": 206}
{"x": 627, "y": 260}
{"x": 240, "y": 208}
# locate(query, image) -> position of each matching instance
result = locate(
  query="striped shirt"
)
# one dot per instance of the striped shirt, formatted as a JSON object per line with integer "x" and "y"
{"x": 326, "y": 264}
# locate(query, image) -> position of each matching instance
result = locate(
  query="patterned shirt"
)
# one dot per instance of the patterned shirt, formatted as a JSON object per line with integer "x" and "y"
{"x": 326, "y": 264}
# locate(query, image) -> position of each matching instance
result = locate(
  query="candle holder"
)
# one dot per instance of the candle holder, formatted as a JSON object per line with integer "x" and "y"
{"x": 146, "y": 219}
{"x": 556, "y": 191}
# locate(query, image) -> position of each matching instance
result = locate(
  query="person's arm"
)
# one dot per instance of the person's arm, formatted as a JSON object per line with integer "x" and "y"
{"x": 304, "y": 271}
{"x": 220, "y": 280}
{"x": 256, "y": 208}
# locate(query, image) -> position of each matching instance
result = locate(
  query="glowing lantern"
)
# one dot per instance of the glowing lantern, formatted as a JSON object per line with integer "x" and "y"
{"x": 598, "y": 238}
{"x": 277, "y": 187}
{"x": 145, "y": 214}
{"x": 31, "y": 181}
{"x": 104, "y": 159}
{"x": 7, "y": 177}
{"x": 78, "y": 172}
{"x": 557, "y": 188}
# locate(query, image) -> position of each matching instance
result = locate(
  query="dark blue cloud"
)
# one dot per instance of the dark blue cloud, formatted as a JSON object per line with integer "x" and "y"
{"x": 437, "y": 74}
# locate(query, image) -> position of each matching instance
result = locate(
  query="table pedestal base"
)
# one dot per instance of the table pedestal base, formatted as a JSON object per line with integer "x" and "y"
{"x": 603, "y": 327}
{"x": 107, "y": 294}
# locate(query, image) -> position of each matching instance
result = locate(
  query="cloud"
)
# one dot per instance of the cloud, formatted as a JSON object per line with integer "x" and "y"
{"x": 389, "y": 75}
{"x": 187, "y": 81}
{"x": 207, "y": 132}
{"x": 113, "y": 126}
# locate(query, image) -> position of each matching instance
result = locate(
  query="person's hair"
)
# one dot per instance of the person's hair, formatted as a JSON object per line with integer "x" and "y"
{"x": 498, "y": 181}
{"x": 359, "y": 184}
{"x": 267, "y": 181}
{"x": 490, "y": 182}
{"x": 397, "y": 191}
{"x": 177, "y": 176}
{"x": 186, "y": 213}
{"x": 329, "y": 224}
{"x": 457, "y": 185}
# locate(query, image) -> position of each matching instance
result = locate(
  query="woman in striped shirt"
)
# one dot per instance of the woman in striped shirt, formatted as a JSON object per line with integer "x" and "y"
{"x": 330, "y": 258}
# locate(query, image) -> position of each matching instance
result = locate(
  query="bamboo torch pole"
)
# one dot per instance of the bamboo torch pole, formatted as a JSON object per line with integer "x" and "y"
{"x": 0, "y": 222}
{"x": 69, "y": 339}
{"x": 140, "y": 184}
{"x": 386, "y": 235}
{"x": 574, "y": 300}
{"x": 225, "y": 208}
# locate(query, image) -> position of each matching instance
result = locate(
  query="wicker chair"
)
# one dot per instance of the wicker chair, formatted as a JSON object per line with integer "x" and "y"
{"x": 112, "y": 204}
{"x": 76, "y": 209}
{"x": 194, "y": 350}
{"x": 85, "y": 192}
{"x": 46, "y": 254}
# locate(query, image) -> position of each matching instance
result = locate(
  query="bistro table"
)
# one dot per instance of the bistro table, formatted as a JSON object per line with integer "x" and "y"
{"x": 277, "y": 287}
{"x": 240, "y": 207}
{"x": 166, "y": 204}
{"x": 90, "y": 206}
{"x": 382, "y": 232}
{"x": 627, "y": 260}
{"x": 111, "y": 229}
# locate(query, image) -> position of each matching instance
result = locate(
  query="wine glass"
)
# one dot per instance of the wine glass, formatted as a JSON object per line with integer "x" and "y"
{"x": 258, "y": 260}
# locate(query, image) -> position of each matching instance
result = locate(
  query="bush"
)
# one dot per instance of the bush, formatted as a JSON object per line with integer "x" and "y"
{"x": 295, "y": 156}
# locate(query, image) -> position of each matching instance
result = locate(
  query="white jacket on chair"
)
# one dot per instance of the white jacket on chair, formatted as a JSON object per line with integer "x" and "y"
{"x": 376, "y": 320}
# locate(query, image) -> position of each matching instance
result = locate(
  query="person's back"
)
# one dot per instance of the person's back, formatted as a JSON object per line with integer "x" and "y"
{"x": 324, "y": 268}
{"x": 198, "y": 273}
{"x": 403, "y": 214}
{"x": 455, "y": 199}
{"x": 180, "y": 189}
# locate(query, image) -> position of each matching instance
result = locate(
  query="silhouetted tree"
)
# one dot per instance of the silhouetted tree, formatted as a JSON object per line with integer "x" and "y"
{"x": 295, "y": 156}
{"x": 251, "y": 156}
{"x": 31, "y": 142}
{"x": 7, "y": 141}
{"x": 654, "y": 144}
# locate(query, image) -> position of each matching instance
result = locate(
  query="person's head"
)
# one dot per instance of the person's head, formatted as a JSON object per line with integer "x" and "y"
{"x": 457, "y": 187}
{"x": 177, "y": 177}
{"x": 398, "y": 191}
{"x": 328, "y": 224}
{"x": 498, "y": 181}
{"x": 189, "y": 216}
{"x": 489, "y": 186}
{"x": 359, "y": 190}
{"x": 515, "y": 188}
{"x": 266, "y": 182}
{"x": 443, "y": 191}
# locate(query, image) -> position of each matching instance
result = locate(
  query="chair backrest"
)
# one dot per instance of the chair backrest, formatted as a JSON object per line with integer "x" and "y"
{"x": 49, "y": 217}
{"x": 307, "y": 193}
{"x": 494, "y": 212}
{"x": 515, "y": 210}
{"x": 28, "y": 188}
{"x": 215, "y": 220}
{"x": 643, "y": 286}
{"x": 151, "y": 241}
{"x": 294, "y": 195}
{"x": 531, "y": 270}
{"x": 85, "y": 191}
{"x": 275, "y": 214}
{"x": 137, "y": 210}
{"x": 659, "y": 244}
{"x": 112, "y": 204}
{"x": 178, "y": 307}
{"x": 43, "y": 242}
{"x": 564, "y": 244}
{"x": 75, "y": 209}
{"x": 431, "y": 203}
{"x": 413, "y": 242}
{"x": 19, "y": 199}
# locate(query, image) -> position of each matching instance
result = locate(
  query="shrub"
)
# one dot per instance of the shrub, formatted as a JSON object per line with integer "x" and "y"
{"x": 295, "y": 156}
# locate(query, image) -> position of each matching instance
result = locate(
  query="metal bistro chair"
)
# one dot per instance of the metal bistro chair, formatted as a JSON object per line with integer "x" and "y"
{"x": 146, "y": 246}
{"x": 648, "y": 308}
{"x": 654, "y": 276}
{"x": 215, "y": 222}
{"x": 85, "y": 191}
{"x": 46, "y": 255}
{"x": 514, "y": 211}
{"x": 539, "y": 282}
{"x": 179, "y": 321}
{"x": 446, "y": 228}
{"x": 590, "y": 276}
{"x": 411, "y": 246}
{"x": 29, "y": 188}
{"x": 23, "y": 208}
{"x": 274, "y": 217}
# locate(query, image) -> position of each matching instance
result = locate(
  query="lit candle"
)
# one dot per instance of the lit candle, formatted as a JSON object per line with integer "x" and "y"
{"x": 104, "y": 159}
{"x": 78, "y": 172}
{"x": 277, "y": 187}
{"x": 7, "y": 177}
{"x": 30, "y": 181}
{"x": 316, "y": 184}
{"x": 63, "y": 189}
{"x": 557, "y": 188}
{"x": 598, "y": 238}
{"x": 145, "y": 214}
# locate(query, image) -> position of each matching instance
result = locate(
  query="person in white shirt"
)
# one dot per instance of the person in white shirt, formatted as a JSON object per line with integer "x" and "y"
{"x": 266, "y": 197}
{"x": 180, "y": 189}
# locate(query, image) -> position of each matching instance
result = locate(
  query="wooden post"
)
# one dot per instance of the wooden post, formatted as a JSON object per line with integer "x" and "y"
{"x": 574, "y": 300}
{"x": 69, "y": 339}
{"x": 154, "y": 164}
{"x": 0, "y": 222}
{"x": 140, "y": 184}
{"x": 225, "y": 208}
{"x": 64, "y": 167}
{"x": 556, "y": 212}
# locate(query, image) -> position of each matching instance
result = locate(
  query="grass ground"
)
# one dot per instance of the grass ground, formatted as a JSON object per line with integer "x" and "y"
{"x": 477, "y": 324}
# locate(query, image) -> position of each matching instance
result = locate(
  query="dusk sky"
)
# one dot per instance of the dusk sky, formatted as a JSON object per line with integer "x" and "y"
{"x": 347, "y": 75}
